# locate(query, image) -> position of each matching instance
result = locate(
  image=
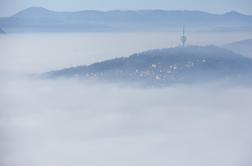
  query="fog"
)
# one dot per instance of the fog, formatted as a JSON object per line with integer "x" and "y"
{"x": 74, "y": 122}
{"x": 26, "y": 53}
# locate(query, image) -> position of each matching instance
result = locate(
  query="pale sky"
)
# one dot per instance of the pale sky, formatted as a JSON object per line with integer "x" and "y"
{"x": 9, "y": 7}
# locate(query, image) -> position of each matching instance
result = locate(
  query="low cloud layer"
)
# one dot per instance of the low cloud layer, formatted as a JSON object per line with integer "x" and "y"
{"x": 71, "y": 122}
{"x": 68, "y": 122}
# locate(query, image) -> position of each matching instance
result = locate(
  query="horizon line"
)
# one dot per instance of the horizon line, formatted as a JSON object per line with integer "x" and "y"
{"x": 125, "y": 10}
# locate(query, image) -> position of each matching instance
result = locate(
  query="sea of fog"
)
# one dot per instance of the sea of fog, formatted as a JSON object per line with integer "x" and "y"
{"x": 75, "y": 122}
{"x": 25, "y": 53}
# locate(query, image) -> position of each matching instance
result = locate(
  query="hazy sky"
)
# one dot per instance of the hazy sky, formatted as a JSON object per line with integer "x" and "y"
{"x": 8, "y": 7}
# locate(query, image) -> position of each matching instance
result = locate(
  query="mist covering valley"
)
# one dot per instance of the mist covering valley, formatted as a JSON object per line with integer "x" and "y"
{"x": 74, "y": 121}
{"x": 68, "y": 122}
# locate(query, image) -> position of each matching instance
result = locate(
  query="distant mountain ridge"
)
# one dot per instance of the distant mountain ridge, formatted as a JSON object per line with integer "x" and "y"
{"x": 37, "y": 19}
{"x": 166, "y": 66}
{"x": 243, "y": 47}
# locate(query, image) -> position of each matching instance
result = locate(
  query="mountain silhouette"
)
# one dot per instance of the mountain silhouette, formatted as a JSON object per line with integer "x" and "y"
{"x": 38, "y": 19}
{"x": 192, "y": 64}
{"x": 243, "y": 47}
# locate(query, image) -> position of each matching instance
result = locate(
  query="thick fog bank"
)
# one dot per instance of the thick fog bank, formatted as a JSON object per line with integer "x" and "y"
{"x": 62, "y": 123}
{"x": 26, "y": 53}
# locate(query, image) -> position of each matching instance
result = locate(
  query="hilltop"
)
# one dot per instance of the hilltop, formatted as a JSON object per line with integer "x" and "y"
{"x": 191, "y": 64}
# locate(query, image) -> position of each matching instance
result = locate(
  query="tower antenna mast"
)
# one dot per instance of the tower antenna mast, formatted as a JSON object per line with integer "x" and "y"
{"x": 183, "y": 37}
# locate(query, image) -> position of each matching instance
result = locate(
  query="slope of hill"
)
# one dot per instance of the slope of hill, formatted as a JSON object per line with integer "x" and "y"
{"x": 166, "y": 66}
{"x": 1, "y": 31}
{"x": 39, "y": 19}
{"x": 243, "y": 47}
